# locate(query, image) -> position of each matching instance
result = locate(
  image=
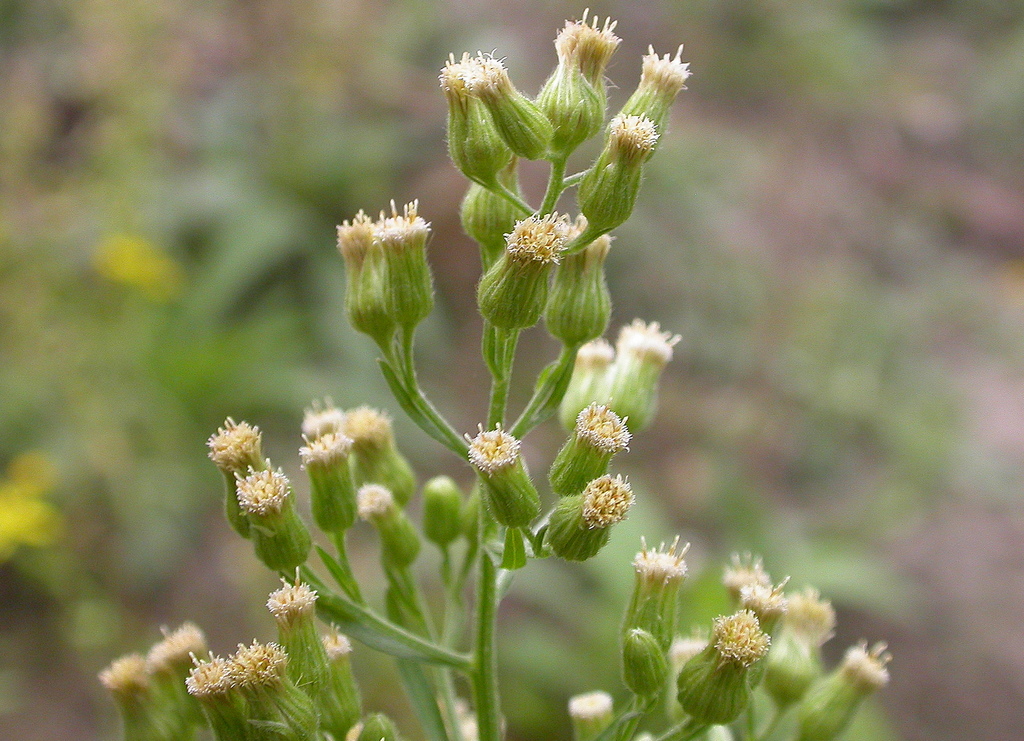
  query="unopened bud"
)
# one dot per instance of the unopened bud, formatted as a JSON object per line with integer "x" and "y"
{"x": 644, "y": 665}
{"x": 829, "y": 706}
{"x": 234, "y": 448}
{"x": 519, "y": 121}
{"x": 714, "y": 686}
{"x": 279, "y": 536}
{"x": 375, "y": 458}
{"x": 589, "y": 382}
{"x": 341, "y": 705}
{"x": 660, "y": 82}
{"x": 475, "y": 145}
{"x": 791, "y": 668}
{"x": 608, "y": 191}
{"x": 598, "y": 435}
{"x": 332, "y": 491}
{"x": 513, "y": 292}
{"x": 654, "y": 602}
{"x": 128, "y": 682}
{"x": 366, "y": 280}
{"x": 442, "y": 510}
{"x": 591, "y": 713}
{"x": 581, "y": 524}
{"x": 641, "y": 353}
{"x": 399, "y": 542}
{"x": 579, "y": 304}
{"x": 507, "y": 490}
{"x": 378, "y": 727}
{"x": 410, "y": 289}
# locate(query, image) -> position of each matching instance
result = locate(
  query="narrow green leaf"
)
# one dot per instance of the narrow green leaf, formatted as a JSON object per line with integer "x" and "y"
{"x": 422, "y": 697}
{"x": 514, "y": 555}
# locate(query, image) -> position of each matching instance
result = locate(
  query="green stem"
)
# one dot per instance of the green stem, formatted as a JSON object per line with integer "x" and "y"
{"x": 505, "y": 351}
{"x": 484, "y": 675}
{"x": 573, "y": 179}
{"x": 512, "y": 198}
{"x": 348, "y": 583}
{"x": 555, "y": 186}
{"x": 548, "y": 394}
{"x": 688, "y": 729}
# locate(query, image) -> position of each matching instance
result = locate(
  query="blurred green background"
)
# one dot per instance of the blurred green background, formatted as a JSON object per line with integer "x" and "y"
{"x": 834, "y": 224}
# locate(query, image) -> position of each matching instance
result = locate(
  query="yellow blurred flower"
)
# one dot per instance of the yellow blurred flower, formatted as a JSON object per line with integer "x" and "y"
{"x": 137, "y": 262}
{"x": 25, "y": 518}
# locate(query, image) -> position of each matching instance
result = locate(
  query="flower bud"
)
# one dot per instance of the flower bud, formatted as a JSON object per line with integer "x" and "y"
{"x": 579, "y": 304}
{"x": 573, "y": 106}
{"x": 321, "y": 419}
{"x": 487, "y": 217}
{"x": 341, "y": 705}
{"x": 513, "y": 292}
{"x": 168, "y": 664}
{"x": 660, "y": 82}
{"x": 279, "y": 537}
{"x": 589, "y": 382}
{"x": 791, "y": 668}
{"x": 375, "y": 458}
{"x": 583, "y": 45}
{"x": 213, "y": 685}
{"x": 506, "y": 488}
{"x": 641, "y": 354}
{"x": 260, "y": 672}
{"x": 410, "y": 289}
{"x": 744, "y": 570}
{"x": 580, "y": 524}
{"x": 366, "y": 280}
{"x": 128, "y": 682}
{"x": 234, "y": 449}
{"x": 332, "y": 491}
{"x": 378, "y": 727}
{"x": 653, "y": 604}
{"x": 683, "y": 649}
{"x": 474, "y": 143}
{"x": 399, "y": 542}
{"x": 829, "y": 706}
{"x": 644, "y": 665}
{"x": 590, "y": 713}
{"x": 714, "y": 686}
{"x": 599, "y": 434}
{"x": 442, "y": 510}
{"x": 520, "y": 122}
{"x": 608, "y": 191}
{"x": 294, "y": 611}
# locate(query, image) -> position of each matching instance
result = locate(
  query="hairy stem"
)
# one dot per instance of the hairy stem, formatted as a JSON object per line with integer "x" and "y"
{"x": 556, "y": 185}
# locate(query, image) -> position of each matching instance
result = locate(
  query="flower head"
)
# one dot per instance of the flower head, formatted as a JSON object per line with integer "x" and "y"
{"x": 263, "y": 492}
{"x": 606, "y": 501}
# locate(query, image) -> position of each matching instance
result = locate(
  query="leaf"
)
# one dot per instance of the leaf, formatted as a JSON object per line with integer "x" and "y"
{"x": 420, "y": 691}
{"x": 514, "y": 555}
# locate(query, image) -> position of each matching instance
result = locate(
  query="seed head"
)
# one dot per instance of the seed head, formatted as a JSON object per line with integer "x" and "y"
{"x": 374, "y": 501}
{"x": 602, "y": 428}
{"x": 738, "y": 638}
{"x": 667, "y": 75}
{"x": 606, "y": 500}
{"x": 263, "y": 492}
{"x": 590, "y": 705}
{"x": 211, "y": 678}
{"x": 235, "y": 445}
{"x": 258, "y": 665}
{"x": 126, "y": 675}
{"x": 810, "y": 617}
{"x": 538, "y": 239}
{"x": 493, "y": 450}
{"x": 646, "y": 342}
{"x": 291, "y": 601}
{"x": 326, "y": 450}
{"x": 866, "y": 667}
{"x": 661, "y": 564}
{"x": 176, "y": 649}
{"x": 322, "y": 418}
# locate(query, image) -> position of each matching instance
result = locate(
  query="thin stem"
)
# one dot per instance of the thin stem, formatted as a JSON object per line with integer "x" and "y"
{"x": 549, "y": 392}
{"x": 485, "y": 666}
{"x": 555, "y": 186}
{"x": 627, "y": 729}
{"x": 688, "y": 729}
{"x": 505, "y": 350}
{"x": 348, "y": 583}
{"x": 512, "y": 198}
{"x": 571, "y": 180}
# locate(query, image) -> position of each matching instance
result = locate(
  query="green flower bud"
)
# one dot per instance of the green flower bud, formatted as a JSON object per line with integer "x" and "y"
{"x": 214, "y": 686}
{"x": 410, "y": 289}
{"x": 579, "y": 304}
{"x": 487, "y": 217}
{"x": 714, "y": 686}
{"x": 591, "y": 713}
{"x": 743, "y": 571}
{"x": 520, "y": 122}
{"x": 234, "y": 449}
{"x": 683, "y": 649}
{"x": 581, "y": 523}
{"x": 341, "y": 705}
{"x": 644, "y": 665}
{"x": 332, "y": 491}
{"x": 829, "y": 706}
{"x": 294, "y": 611}
{"x": 506, "y": 488}
{"x": 791, "y": 668}
{"x": 641, "y": 354}
{"x": 375, "y": 458}
{"x": 599, "y": 434}
{"x": 366, "y": 280}
{"x": 279, "y": 708}
{"x": 474, "y": 143}
{"x": 574, "y": 108}
{"x": 442, "y": 510}
{"x": 378, "y": 727}
{"x": 279, "y": 536}
{"x": 513, "y": 292}
{"x": 655, "y": 598}
{"x": 608, "y": 191}
{"x": 128, "y": 682}
{"x": 168, "y": 664}
{"x": 589, "y": 382}
{"x": 399, "y": 542}
{"x": 660, "y": 82}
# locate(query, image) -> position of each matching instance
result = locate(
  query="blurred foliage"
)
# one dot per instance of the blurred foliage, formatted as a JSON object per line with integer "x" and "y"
{"x": 820, "y": 226}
